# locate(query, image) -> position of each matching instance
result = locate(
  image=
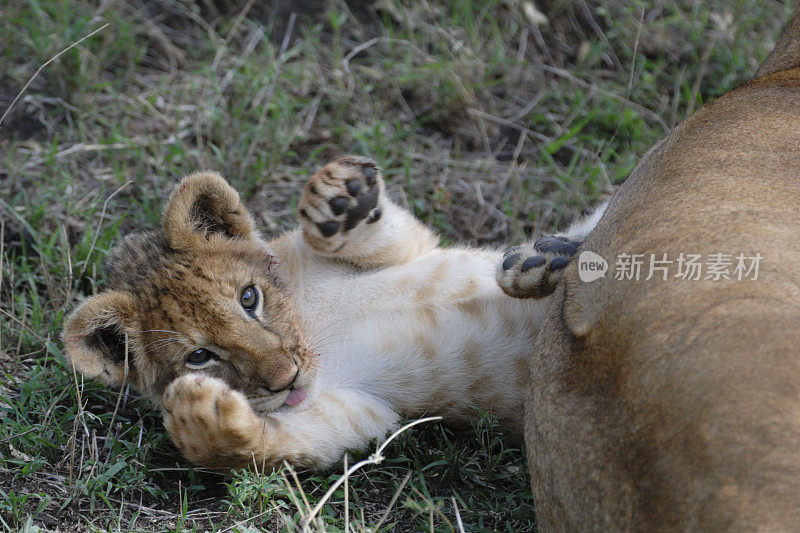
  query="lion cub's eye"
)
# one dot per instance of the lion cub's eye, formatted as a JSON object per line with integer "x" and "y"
{"x": 200, "y": 357}
{"x": 249, "y": 298}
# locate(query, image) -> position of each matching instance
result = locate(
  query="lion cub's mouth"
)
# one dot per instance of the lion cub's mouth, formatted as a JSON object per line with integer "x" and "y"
{"x": 295, "y": 396}
{"x": 264, "y": 404}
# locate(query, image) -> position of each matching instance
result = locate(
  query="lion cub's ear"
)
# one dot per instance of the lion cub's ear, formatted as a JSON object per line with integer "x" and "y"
{"x": 202, "y": 209}
{"x": 94, "y": 337}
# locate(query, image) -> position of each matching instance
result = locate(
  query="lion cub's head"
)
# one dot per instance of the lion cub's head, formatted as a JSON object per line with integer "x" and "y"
{"x": 200, "y": 294}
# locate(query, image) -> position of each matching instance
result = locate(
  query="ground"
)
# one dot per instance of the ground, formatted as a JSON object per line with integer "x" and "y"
{"x": 492, "y": 124}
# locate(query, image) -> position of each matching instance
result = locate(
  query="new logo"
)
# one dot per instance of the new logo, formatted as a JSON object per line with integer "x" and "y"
{"x": 591, "y": 266}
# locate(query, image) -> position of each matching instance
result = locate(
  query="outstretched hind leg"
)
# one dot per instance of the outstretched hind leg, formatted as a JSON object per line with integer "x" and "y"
{"x": 533, "y": 270}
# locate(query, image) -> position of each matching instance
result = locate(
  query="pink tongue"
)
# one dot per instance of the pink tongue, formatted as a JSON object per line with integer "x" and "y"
{"x": 295, "y": 396}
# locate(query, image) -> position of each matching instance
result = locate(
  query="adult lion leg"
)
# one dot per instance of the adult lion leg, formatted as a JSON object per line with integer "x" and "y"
{"x": 345, "y": 214}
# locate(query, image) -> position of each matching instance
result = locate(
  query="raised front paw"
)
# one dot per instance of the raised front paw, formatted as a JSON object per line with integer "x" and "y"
{"x": 339, "y": 201}
{"x": 210, "y": 423}
{"x": 533, "y": 270}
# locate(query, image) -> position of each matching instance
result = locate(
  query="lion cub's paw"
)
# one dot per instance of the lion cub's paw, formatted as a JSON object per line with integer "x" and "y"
{"x": 339, "y": 201}
{"x": 208, "y": 421}
{"x": 533, "y": 270}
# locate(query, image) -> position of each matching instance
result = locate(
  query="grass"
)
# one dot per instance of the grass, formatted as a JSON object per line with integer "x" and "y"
{"x": 490, "y": 129}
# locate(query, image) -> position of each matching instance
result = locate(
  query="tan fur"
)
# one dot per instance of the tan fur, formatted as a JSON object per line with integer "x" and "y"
{"x": 360, "y": 310}
{"x": 675, "y": 405}
{"x": 168, "y": 296}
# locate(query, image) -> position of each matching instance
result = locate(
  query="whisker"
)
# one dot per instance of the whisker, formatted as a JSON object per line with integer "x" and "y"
{"x": 328, "y": 342}
{"x": 319, "y": 332}
{"x": 322, "y": 347}
{"x": 159, "y": 331}
{"x": 163, "y": 342}
{"x": 175, "y": 356}
{"x": 331, "y": 336}
{"x": 163, "y": 346}
{"x": 318, "y": 347}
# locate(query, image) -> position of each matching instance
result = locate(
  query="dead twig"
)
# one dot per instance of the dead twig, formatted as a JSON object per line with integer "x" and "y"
{"x": 12, "y": 437}
{"x": 633, "y": 105}
{"x": 389, "y": 507}
{"x": 270, "y": 91}
{"x": 119, "y": 397}
{"x": 99, "y": 225}
{"x": 374, "y": 459}
{"x": 375, "y": 40}
{"x": 458, "y": 515}
{"x": 62, "y": 52}
{"x": 701, "y": 72}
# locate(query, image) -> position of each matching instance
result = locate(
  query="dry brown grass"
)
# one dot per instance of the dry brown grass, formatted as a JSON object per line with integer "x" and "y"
{"x": 490, "y": 128}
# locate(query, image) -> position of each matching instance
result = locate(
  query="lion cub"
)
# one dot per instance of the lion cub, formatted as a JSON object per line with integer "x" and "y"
{"x": 310, "y": 344}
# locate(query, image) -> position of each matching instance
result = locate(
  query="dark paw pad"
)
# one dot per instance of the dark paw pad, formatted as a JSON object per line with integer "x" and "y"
{"x": 339, "y": 205}
{"x": 353, "y": 187}
{"x": 556, "y": 245}
{"x": 365, "y": 203}
{"x": 342, "y": 195}
{"x": 558, "y": 263}
{"x": 369, "y": 175}
{"x": 532, "y": 262}
{"x": 328, "y": 228}
{"x": 376, "y": 216}
{"x": 511, "y": 260}
{"x": 533, "y": 270}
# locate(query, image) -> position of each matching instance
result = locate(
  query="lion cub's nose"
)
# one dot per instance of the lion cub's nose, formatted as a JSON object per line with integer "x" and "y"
{"x": 281, "y": 378}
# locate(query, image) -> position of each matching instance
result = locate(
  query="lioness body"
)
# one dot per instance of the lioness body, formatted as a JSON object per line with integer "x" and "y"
{"x": 675, "y": 404}
{"x": 358, "y": 316}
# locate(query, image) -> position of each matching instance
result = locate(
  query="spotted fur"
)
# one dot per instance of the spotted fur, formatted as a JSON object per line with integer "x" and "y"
{"x": 361, "y": 317}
